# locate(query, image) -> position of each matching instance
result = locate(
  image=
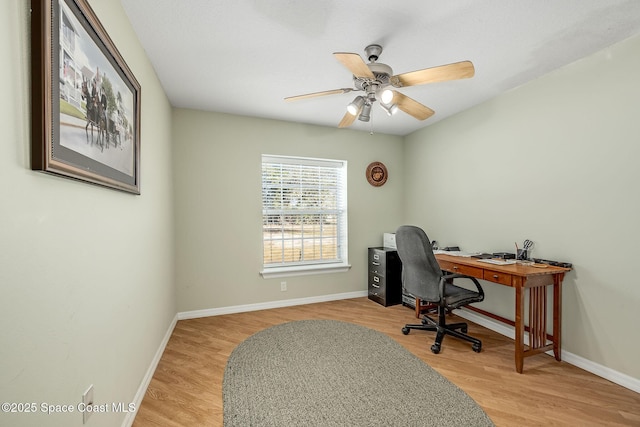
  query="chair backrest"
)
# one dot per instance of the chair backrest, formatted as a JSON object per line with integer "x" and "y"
{"x": 421, "y": 273}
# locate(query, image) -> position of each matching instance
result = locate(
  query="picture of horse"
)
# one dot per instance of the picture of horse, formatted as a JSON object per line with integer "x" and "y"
{"x": 96, "y": 104}
{"x": 85, "y": 100}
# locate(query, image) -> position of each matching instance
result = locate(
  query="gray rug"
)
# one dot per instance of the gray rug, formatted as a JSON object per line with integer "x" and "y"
{"x": 331, "y": 373}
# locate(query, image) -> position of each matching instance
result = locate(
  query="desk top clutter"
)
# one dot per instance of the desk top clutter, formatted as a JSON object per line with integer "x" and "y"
{"x": 521, "y": 256}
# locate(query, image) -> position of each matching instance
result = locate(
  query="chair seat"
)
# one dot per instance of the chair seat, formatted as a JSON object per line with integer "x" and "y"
{"x": 456, "y": 296}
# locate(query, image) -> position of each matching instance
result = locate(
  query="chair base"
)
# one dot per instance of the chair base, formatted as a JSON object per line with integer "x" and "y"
{"x": 458, "y": 330}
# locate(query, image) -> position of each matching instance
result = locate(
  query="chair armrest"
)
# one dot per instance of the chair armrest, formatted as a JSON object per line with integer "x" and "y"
{"x": 453, "y": 276}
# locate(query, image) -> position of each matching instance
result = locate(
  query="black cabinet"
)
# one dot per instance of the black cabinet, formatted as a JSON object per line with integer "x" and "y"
{"x": 385, "y": 276}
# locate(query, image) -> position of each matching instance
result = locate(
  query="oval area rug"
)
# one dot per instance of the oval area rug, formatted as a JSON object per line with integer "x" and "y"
{"x": 333, "y": 373}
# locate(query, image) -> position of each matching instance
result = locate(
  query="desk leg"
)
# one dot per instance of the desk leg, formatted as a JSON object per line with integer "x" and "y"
{"x": 557, "y": 315}
{"x": 519, "y": 353}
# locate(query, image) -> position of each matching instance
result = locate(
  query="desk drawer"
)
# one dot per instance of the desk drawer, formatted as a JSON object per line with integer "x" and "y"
{"x": 497, "y": 277}
{"x": 452, "y": 267}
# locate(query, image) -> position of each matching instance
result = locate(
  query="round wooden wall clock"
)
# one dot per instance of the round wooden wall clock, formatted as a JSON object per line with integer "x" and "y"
{"x": 377, "y": 174}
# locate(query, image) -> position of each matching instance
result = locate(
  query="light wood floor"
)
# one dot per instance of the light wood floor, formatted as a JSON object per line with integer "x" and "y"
{"x": 186, "y": 389}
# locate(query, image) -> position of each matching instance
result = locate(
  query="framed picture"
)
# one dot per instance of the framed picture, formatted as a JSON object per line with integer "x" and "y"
{"x": 85, "y": 100}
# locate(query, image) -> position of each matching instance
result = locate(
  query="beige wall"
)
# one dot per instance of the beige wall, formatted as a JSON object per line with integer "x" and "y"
{"x": 555, "y": 161}
{"x": 86, "y": 273}
{"x": 217, "y": 166}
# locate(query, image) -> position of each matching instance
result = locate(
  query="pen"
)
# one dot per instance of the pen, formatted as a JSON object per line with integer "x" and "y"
{"x": 516, "y": 243}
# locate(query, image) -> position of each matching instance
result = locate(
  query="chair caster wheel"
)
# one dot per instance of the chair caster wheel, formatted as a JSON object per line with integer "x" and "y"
{"x": 405, "y": 330}
{"x": 477, "y": 348}
{"x": 424, "y": 321}
{"x": 435, "y": 349}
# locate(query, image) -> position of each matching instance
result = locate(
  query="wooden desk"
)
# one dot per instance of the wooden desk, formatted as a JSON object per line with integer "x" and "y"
{"x": 520, "y": 277}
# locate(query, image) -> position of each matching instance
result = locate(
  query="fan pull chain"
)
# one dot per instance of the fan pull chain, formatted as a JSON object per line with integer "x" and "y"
{"x": 371, "y": 124}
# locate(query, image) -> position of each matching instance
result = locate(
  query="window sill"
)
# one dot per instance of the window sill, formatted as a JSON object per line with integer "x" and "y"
{"x": 304, "y": 270}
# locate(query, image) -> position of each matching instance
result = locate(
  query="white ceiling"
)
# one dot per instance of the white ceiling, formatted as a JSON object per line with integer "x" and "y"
{"x": 244, "y": 56}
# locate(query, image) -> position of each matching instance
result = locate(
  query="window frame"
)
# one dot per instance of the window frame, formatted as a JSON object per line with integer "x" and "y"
{"x": 311, "y": 267}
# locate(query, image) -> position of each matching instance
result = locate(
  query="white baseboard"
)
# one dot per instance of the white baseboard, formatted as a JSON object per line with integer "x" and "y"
{"x": 142, "y": 389}
{"x": 267, "y": 305}
{"x": 588, "y": 365}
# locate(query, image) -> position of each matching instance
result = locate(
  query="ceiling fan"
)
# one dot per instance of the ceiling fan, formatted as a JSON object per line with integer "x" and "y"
{"x": 377, "y": 80}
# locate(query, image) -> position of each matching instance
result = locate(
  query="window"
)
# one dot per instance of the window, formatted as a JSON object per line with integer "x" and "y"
{"x": 304, "y": 215}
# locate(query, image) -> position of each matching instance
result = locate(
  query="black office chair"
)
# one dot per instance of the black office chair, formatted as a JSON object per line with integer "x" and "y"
{"x": 423, "y": 278}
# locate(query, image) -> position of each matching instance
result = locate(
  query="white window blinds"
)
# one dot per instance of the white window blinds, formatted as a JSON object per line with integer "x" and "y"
{"x": 304, "y": 211}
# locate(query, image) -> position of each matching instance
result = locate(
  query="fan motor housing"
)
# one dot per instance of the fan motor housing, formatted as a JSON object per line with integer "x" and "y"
{"x": 382, "y": 73}
{"x": 379, "y": 68}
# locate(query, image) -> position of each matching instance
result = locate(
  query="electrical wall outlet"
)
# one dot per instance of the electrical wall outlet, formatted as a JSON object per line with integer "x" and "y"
{"x": 283, "y": 286}
{"x": 87, "y": 400}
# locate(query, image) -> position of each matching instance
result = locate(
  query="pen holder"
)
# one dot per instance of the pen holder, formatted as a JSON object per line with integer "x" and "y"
{"x": 522, "y": 254}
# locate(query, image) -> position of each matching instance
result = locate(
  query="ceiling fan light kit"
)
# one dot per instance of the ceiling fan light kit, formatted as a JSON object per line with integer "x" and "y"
{"x": 356, "y": 105}
{"x": 389, "y": 109}
{"x": 386, "y": 96}
{"x": 376, "y": 80}
{"x": 365, "y": 114}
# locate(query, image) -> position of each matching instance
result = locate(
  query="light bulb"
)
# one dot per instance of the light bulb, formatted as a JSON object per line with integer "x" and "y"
{"x": 355, "y": 106}
{"x": 389, "y": 109}
{"x": 387, "y": 96}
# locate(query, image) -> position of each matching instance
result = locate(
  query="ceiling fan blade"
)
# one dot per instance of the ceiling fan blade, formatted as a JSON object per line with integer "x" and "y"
{"x": 315, "y": 94}
{"x": 411, "y": 106}
{"x": 457, "y": 70}
{"x": 355, "y": 64}
{"x": 347, "y": 120}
